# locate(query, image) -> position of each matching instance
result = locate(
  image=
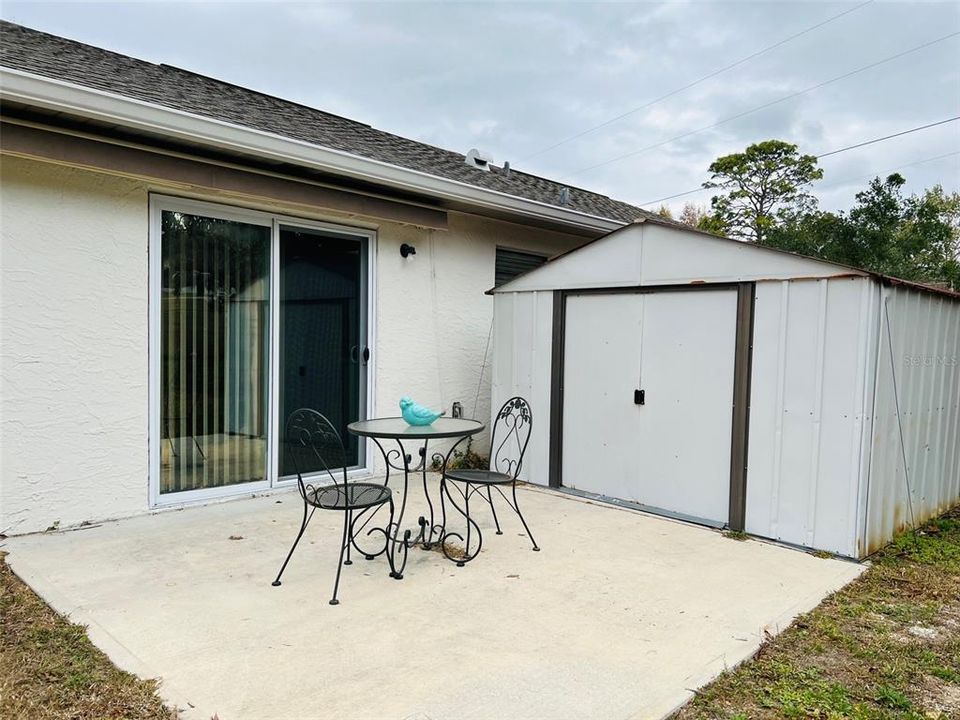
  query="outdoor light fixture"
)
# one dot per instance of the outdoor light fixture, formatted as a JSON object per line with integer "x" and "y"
{"x": 407, "y": 249}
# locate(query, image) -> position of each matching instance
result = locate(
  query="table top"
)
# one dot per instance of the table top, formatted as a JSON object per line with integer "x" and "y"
{"x": 397, "y": 427}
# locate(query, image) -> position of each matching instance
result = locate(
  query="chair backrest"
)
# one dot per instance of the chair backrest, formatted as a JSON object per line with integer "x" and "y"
{"x": 511, "y": 433}
{"x": 315, "y": 446}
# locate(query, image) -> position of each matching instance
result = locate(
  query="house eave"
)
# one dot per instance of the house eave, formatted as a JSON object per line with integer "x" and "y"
{"x": 77, "y": 100}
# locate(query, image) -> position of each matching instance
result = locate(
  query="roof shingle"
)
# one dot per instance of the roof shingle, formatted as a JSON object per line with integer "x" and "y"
{"x": 55, "y": 57}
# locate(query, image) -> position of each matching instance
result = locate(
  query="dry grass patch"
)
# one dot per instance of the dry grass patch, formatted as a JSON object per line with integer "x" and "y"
{"x": 885, "y": 647}
{"x": 449, "y": 549}
{"x": 50, "y": 669}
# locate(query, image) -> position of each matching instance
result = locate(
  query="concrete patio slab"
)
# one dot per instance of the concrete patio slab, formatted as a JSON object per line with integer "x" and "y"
{"x": 619, "y": 616}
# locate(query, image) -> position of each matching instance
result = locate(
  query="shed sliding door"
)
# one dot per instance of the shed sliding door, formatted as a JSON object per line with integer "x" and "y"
{"x": 672, "y": 452}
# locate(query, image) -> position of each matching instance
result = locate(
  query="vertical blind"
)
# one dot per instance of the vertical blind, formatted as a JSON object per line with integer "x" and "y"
{"x": 214, "y": 351}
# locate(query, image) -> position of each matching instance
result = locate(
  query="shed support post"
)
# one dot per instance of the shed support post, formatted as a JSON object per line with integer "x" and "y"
{"x": 740, "y": 436}
{"x": 556, "y": 389}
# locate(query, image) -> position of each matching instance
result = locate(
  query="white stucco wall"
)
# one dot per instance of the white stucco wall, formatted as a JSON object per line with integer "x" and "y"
{"x": 73, "y": 344}
{"x": 434, "y": 320}
{"x": 74, "y": 332}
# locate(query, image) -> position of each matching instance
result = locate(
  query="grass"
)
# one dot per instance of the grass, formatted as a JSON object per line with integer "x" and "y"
{"x": 886, "y": 647}
{"x": 50, "y": 669}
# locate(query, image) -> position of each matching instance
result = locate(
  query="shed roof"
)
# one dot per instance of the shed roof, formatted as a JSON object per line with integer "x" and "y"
{"x": 664, "y": 254}
{"x": 46, "y": 55}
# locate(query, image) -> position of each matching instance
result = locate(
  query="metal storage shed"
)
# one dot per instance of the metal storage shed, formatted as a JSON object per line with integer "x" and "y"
{"x": 736, "y": 385}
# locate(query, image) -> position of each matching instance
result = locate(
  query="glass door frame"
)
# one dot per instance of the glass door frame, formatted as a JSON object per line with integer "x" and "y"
{"x": 159, "y": 203}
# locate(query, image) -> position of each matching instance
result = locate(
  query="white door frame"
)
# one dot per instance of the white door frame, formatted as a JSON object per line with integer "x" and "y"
{"x": 157, "y": 204}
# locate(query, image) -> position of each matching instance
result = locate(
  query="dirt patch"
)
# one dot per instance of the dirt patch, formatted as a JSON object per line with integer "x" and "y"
{"x": 942, "y": 697}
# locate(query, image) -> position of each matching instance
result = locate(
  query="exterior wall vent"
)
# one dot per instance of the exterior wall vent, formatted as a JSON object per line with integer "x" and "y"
{"x": 479, "y": 159}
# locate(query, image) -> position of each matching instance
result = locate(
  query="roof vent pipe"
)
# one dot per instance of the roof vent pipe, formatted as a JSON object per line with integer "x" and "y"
{"x": 564, "y": 196}
{"x": 506, "y": 169}
{"x": 479, "y": 159}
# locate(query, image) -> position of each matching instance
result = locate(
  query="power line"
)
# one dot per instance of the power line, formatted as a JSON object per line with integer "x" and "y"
{"x": 899, "y": 167}
{"x": 832, "y": 152}
{"x": 671, "y": 197}
{"x": 826, "y": 187}
{"x": 887, "y": 137}
{"x": 764, "y": 106}
{"x": 696, "y": 82}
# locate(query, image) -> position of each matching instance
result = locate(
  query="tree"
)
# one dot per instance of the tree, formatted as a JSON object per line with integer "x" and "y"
{"x": 665, "y": 212}
{"x": 763, "y": 186}
{"x": 699, "y": 217}
{"x": 693, "y": 214}
{"x": 915, "y": 238}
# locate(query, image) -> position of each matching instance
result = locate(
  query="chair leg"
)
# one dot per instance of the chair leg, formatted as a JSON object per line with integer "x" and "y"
{"x": 348, "y": 561}
{"x": 303, "y": 526}
{"x": 494, "y": 511}
{"x": 516, "y": 507}
{"x": 344, "y": 544}
{"x": 466, "y": 510}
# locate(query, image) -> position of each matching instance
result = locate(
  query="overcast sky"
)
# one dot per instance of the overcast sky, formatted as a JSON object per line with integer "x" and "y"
{"x": 515, "y": 78}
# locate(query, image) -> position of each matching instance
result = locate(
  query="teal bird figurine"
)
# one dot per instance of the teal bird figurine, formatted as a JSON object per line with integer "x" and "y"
{"x": 417, "y": 414}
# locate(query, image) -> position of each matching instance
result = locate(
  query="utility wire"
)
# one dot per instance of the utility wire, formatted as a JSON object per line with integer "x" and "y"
{"x": 832, "y": 152}
{"x": 896, "y": 405}
{"x": 888, "y": 172}
{"x": 825, "y": 187}
{"x": 764, "y": 106}
{"x": 670, "y": 94}
{"x": 887, "y": 137}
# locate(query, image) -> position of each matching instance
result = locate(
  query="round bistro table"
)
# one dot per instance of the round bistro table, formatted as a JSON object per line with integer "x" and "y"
{"x": 387, "y": 431}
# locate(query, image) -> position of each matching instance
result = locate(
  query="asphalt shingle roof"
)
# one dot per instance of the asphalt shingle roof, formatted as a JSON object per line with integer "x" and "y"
{"x": 55, "y": 57}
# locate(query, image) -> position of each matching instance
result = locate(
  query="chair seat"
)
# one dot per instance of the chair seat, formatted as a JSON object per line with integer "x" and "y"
{"x": 353, "y": 496}
{"x": 480, "y": 477}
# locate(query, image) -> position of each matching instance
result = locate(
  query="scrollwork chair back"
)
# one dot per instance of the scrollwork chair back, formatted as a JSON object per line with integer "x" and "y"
{"x": 316, "y": 449}
{"x": 511, "y": 433}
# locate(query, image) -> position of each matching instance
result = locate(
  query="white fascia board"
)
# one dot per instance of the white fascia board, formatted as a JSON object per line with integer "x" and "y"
{"x": 56, "y": 95}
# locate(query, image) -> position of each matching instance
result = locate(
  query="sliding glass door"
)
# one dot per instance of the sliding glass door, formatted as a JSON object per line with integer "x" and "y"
{"x": 322, "y": 351}
{"x": 214, "y": 342}
{"x": 253, "y": 316}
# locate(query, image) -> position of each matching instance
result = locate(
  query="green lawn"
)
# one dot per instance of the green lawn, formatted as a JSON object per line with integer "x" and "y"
{"x": 886, "y": 646}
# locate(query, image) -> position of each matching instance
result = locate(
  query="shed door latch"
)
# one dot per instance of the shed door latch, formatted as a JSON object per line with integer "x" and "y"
{"x": 639, "y": 397}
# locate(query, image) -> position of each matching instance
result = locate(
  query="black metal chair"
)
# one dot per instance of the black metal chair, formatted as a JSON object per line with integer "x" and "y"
{"x": 508, "y": 443}
{"x": 315, "y": 446}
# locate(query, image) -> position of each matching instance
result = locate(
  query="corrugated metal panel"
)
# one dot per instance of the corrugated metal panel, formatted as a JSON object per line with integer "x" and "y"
{"x": 809, "y": 388}
{"x": 522, "y": 353}
{"x": 919, "y": 357}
